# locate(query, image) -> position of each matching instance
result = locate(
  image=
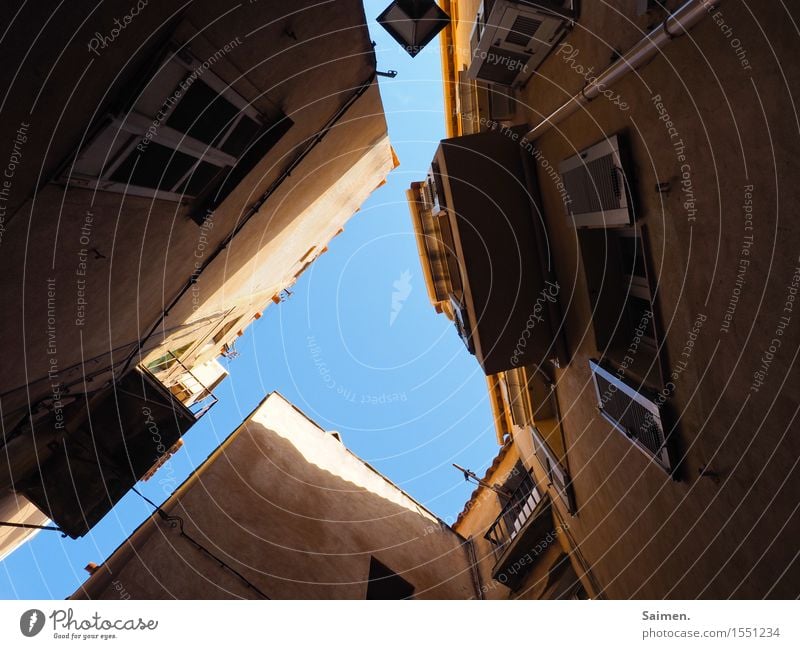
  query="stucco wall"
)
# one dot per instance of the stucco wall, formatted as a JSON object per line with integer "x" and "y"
{"x": 644, "y": 534}
{"x": 298, "y": 514}
{"x": 138, "y": 252}
{"x": 479, "y": 514}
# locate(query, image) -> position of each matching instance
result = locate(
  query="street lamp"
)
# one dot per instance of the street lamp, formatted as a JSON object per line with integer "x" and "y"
{"x": 413, "y": 23}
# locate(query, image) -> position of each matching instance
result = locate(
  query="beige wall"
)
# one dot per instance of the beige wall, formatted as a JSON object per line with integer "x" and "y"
{"x": 17, "y": 509}
{"x": 645, "y": 535}
{"x": 89, "y": 274}
{"x": 298, "y": 514}
{"x": 141, "y": 252}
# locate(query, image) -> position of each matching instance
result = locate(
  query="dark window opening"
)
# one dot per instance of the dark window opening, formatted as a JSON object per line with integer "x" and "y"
{"x": 632, "y": 256}
{"x": 202, "y": 114}
{"x": 256, "y": 150}
{"x": 201, "y": 177}
{"x": 241, "y": 136}
{"x": 623, "y": 311}
{"x": 385, "y": 583}
{"x": 158, "y": 167}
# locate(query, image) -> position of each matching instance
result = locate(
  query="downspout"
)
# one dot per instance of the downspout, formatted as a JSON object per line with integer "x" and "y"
{"x": 675, "y": 25}
{"x": 473, "y": 564}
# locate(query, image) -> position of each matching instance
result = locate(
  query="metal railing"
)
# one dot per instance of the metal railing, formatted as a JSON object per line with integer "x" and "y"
{"x": 201, "y": 399}
{"x": 513, "y": 517}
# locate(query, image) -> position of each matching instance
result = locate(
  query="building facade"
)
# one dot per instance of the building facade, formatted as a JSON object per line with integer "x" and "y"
{"x": 521, "y": 542}
{"x": 283, "y": 510}
{"x": 664, "y": 435}
{"x": 203, "y": 158}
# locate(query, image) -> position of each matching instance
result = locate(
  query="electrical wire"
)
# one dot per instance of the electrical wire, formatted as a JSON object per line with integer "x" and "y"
{"x": 29, "y": 526}
{"x": 177, "y": 521}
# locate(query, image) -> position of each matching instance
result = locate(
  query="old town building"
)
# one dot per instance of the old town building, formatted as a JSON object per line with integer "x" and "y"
{"x": 646, "y": 395}
{"x": 201, "y": 158}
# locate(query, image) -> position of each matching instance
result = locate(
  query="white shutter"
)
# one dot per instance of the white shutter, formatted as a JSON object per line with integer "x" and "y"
{"x": 632, "y": 413}
{"x": 467, "y": 114}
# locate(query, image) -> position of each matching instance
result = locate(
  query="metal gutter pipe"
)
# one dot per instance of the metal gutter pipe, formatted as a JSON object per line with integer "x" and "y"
{"x": 675, "y": 25}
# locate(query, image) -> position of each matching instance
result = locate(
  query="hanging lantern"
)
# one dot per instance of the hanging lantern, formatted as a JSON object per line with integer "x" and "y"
{"x": 413, "y": 23}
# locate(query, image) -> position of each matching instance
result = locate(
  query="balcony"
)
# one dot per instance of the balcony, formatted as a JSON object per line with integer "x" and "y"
{"x": 521, "y": 533}
{"x": 495, "y": 244}
{"x": 192, "y": 387}
{"x": 109, "y": 440}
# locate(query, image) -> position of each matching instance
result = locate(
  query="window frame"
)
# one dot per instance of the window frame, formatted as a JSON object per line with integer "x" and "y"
{"x": 134, "y": 127}
{"x": 664, "y": 457}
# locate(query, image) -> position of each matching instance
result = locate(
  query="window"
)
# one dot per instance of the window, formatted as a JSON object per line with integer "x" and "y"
{"x": 533, "y": 407}
{"x": 187, "y": 136}
{"x": 632, "y": 412}
{"x": 220, "y": 335}
{"x": 468, "y": 117}
{"x": 554, "y": 466}
{"x": 168, "y": 360}
{"x": 623, "y": 309}
{"x": 515, "y": 392}
{"x": 386, "y": 584}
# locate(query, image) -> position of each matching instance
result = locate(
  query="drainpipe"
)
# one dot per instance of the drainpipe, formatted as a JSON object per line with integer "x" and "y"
{"x": 676, "y": 24}
{"x": 477, "y": 582}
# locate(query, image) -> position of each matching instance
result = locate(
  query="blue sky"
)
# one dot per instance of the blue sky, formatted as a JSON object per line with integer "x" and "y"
{"x": 403, "y": 392}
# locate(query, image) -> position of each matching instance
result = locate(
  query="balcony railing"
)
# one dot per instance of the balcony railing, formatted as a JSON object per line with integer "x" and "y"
{"x": 201, "y": 397}
{"x": 513, "y": 517}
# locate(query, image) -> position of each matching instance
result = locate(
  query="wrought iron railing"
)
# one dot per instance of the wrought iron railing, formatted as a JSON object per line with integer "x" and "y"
{"x": 204, "y": 398}
{"x": 514, "y": 515}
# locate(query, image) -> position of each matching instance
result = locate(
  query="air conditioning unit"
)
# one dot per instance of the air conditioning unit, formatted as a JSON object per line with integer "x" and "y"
{"x": 511, "y": 39}
{"x": 597, "y": 186}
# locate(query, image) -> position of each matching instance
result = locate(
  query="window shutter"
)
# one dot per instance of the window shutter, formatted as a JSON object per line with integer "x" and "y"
{"x": 632, "y": 413}
{"x": 466, "y": 105}
{"x": 516, "y": 393}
